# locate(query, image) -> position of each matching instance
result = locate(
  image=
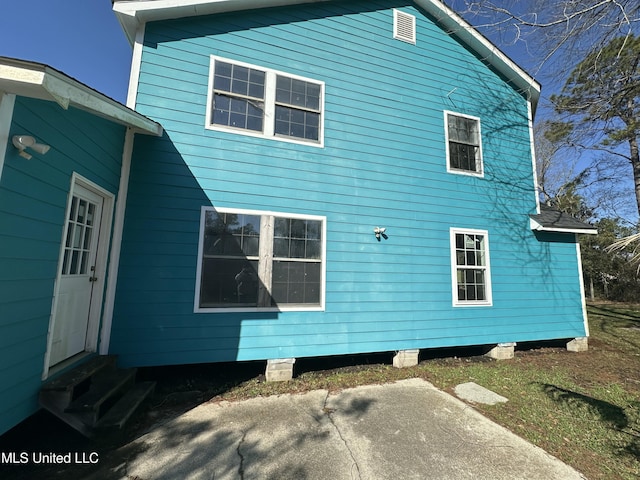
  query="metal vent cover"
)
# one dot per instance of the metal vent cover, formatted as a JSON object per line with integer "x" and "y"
{"x": 404, "y": 26}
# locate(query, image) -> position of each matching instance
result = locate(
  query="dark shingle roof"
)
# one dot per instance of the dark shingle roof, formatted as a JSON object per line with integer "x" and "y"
{"x": 552, "y": 220}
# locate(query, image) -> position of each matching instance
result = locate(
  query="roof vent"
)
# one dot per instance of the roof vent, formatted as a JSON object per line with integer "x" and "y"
{"x": 404, "y": 26}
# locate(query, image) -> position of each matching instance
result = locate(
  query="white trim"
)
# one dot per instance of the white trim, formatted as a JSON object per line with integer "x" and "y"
{"x": 583, "y": 299}
{"x": 261, "y": 213}
{"x": 116, "y": 243}
{"x": 7, "y": 104}
{"x": 269, "y": 105}
{"x": 534, "y": 161}
{"x": 136, "y": 62}
{"x": 454, "y": 266}
{"x": 35, "y": 80}
{"x": 97, "y": 296}
{"x": 132, "y": 14}
{"x": 457, "y": 171}
{"x": 538, "y": 227}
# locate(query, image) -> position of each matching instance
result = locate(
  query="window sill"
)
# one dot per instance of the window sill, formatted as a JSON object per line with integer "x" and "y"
{"x": 473, "y": 304}
{"x": 290, "y": 308}
{"x": 468, "y": 173}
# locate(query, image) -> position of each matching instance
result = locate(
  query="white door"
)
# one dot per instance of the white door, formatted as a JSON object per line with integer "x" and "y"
{"x": 78, "y": 276}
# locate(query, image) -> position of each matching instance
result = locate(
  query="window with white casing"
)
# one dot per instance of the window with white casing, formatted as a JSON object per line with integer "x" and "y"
{"x": 404, "y": 26}
{"x": 262, "y": 102}
{"x": 260, "y": 260}
{"x": 464, "y": 146}
{"x": 470, "y": 267}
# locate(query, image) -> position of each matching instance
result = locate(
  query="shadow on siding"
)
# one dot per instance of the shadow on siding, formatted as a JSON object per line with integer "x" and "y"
{"x": 154, "y": 321}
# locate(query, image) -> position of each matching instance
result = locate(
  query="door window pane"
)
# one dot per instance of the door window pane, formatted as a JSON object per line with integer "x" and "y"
{"x": 77, "y": 256}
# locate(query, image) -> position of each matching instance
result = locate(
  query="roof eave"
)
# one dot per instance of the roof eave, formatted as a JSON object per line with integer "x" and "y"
{"x": 538, "y": 227}
{"x": 35, "y": 80}
{"x": 132, "y": 14}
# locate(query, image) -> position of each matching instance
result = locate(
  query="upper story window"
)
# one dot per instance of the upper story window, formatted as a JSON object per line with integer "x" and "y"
{"x": 262, "y": 102}
{"x": 260, "y": 260}
{"x": 464, "y": 146}
{"x": 470, "y": 267}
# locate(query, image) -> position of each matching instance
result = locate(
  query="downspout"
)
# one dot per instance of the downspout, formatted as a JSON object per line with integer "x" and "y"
{"x": 7, "y": 103}
{"x": 534, "y": 162}
{"x": 583, "y": 299}
{"x": 116, "y": 242}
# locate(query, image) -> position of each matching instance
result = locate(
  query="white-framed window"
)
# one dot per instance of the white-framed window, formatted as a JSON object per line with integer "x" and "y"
{"x": 464, "y": 144}
{"x": 258, "y": 101}
{"x": 470, "y": 267}
{"x": 250, "y": 259}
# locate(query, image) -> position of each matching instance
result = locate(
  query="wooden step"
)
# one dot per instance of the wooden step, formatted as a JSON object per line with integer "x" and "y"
{"x": 80, "y": 373}
{"x": 60, "y": 391}
{"x": 106, "y": 388}
{"x": 120, "y": 413}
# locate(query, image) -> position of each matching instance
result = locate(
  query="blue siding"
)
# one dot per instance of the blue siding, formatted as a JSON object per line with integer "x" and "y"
{"x": 33, "y": 198}
{"x": 383, "y": 163}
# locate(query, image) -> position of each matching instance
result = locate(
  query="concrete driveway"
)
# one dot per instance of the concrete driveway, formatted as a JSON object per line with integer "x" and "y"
{"x": 405, "y": 430}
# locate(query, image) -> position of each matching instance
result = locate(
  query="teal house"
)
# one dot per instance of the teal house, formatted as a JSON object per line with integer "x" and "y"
{"x": 288, "y": 179}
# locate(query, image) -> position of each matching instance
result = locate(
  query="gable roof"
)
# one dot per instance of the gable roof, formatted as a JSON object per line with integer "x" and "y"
{"x": 551, "y": 220}
{"x": 37, "y": 80}
{"x": 134, "y": 13}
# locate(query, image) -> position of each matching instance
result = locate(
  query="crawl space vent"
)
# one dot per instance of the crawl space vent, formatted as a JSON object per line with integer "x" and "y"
{"x": 404, "y": 26}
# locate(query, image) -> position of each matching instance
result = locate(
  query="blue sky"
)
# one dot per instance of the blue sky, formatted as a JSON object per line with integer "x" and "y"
{"x": 82, "y": 38}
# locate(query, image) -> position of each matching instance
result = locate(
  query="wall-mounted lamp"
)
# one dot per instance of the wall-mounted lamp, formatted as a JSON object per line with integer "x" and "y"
{"x": 379, "y": 232}
{"x": 22, "y": 142}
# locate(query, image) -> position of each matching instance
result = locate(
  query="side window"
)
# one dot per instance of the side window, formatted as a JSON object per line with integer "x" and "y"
{"x": 261, "y": 102}
{"x": 470, "y": 269}
{"x": 252, "y": 259}
{"x": 464, "y": 146}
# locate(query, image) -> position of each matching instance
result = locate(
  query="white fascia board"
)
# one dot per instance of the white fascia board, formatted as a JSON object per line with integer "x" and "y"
{"x": 35, "y": 80}
{"x": 541, "y": 228}
{"x": 133, "y": 14}
{"x": 86, "y": 98}
{"x": 7, "y": 102}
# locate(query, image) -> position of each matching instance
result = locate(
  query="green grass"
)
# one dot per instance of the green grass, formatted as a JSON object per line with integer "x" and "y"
{"x": 583, "y": 408}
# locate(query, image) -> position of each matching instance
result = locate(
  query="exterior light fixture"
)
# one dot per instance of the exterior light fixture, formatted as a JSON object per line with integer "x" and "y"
{"x": 22, "y": 142}
{"x": 379, "y": 232}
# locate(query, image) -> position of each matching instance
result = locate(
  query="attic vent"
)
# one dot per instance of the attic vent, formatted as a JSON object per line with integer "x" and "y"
{"x": 404, "y": 26}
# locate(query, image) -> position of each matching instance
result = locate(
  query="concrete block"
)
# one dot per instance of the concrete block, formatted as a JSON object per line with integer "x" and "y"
{"x": 502, "y": 351}
{"x": 280, "y": 369}
{"x": 472, "y": 392}
{"x": 580, "y": 344}
{"x": 406, "y": 358}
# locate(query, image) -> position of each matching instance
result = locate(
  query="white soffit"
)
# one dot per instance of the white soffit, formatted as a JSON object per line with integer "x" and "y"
{"x": 36, "y": 80}
{"x": 132, "y": 14}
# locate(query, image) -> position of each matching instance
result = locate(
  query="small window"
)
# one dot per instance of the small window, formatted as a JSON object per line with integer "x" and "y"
{"x": 404, "y": 26}
{"x": 253, "y": 259}
{"x": 464, "y": 149}
{"x": 262, "y": 102}
{"x": 470, "y": 267}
